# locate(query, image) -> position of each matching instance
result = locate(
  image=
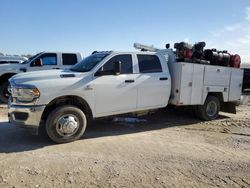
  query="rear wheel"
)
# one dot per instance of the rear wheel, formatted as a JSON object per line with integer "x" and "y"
{"x": 210, "y": 110}
{"x": 4, "y": 93}
{"x": 66, "y": 124}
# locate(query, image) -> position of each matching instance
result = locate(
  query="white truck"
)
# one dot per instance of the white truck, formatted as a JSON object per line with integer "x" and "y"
{"x": 41, "y": 61}
{"x": 63, "y": 102}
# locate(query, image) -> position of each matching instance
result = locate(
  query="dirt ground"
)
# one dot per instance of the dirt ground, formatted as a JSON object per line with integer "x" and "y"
{"x": 171, "y": 149}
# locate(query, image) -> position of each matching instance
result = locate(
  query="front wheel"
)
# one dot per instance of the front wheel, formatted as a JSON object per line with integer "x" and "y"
{"x": 66, "y": 124}
{"x": 210, "y": 109}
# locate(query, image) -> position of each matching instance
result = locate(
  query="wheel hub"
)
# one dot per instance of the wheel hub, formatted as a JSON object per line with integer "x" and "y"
{"x": 211, "y": 108}
{"x": 67, "y": 125}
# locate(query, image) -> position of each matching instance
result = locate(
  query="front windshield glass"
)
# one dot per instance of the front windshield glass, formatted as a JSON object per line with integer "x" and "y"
{"x": 33, "y": 57}
{"x": 89, "y": 62}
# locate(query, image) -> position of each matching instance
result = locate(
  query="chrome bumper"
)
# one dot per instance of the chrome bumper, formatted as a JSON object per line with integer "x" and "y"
{"x": 26, "y": 116}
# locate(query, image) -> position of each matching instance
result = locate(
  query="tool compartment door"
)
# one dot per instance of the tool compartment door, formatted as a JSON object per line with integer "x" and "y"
{"x": 235, "y": 84}
{"x": 192, "y": 76}
{"x": 217, "y": 76}
{"x": 187, "y": 71}
{"x": 197, "y": 85}
{"x": 187, "y": 83}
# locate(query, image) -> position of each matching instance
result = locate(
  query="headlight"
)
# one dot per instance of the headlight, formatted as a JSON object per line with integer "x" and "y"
{"x": 24, "y": 93}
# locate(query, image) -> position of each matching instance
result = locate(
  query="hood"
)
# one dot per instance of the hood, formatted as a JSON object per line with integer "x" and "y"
{"x": 25, "y": 78}
{"x": 6, "y": 62}
{"x": 11, "y": 67}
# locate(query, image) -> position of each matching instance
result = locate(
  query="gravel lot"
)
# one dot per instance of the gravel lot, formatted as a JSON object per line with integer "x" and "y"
{"x": 171, "y": 149}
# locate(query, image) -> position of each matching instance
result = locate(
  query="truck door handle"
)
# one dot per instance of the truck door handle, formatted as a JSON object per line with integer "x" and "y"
{"x": 164, "y": 78}
{"x": 129, "y": 81}
{"x": 55, "y": 68}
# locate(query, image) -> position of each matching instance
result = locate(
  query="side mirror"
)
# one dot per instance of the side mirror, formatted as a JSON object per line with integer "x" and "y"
{"x": 117, "y": 67}
{"x": 37, "y": 63}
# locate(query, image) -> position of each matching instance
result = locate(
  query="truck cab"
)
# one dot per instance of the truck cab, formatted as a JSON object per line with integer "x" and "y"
{"x": 40, "y": 61}
{"x": 141, "y": 77}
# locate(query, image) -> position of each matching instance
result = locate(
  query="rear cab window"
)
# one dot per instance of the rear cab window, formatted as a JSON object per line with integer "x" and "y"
{"x": 69, "y": 59}
{"x": 149, "y": 63}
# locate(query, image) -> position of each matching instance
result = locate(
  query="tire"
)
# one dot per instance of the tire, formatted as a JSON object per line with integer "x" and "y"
{"x": 66, "y": 124}
{"x": 210, "y": 110}
{"x": 4, "y": 92}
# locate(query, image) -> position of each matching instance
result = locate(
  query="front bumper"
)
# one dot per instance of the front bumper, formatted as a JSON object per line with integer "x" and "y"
{"x": 26, "y": 116}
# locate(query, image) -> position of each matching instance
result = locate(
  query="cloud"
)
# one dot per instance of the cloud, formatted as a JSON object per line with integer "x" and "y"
{"x": 232, "y": 27}
{"x": 248, "y": 13}
{"x": 244, "y": 40}
{"x": 225, "y": 29}
{"x": 234, "y": 37}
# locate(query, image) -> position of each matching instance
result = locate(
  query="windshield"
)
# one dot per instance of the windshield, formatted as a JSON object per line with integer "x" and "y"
{"x": 89, "y": 62}
{"x": 33, "y": 57}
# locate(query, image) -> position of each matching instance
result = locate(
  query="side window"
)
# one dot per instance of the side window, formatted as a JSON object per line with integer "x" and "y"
{"x": 126, "y": 64}
{"x": 49, "y": 59}
{"x": 69, "y": 59}
{"x": 149, "y": 63}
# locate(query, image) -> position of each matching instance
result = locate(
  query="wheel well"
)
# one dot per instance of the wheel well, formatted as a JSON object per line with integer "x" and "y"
{"x": 6, "y": 76}
{"x": 217, "y": 94}
{"x": 69, "y": 100}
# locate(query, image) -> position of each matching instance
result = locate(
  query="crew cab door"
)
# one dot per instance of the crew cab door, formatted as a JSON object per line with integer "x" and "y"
{"x": 114, "y": 94}
{"x": 153, "y": 82}
{"x": 45, "y": 61}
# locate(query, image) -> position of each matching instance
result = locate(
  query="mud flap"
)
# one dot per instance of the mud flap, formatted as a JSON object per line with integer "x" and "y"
{"x": 228, "y": 107}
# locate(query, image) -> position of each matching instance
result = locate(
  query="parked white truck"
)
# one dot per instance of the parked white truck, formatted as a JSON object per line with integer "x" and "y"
{"x": 111, "y": 83}
{"x": 41, "y": 61}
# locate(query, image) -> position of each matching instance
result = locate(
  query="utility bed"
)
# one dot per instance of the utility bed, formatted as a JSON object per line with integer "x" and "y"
{"x": 192, "y": 82}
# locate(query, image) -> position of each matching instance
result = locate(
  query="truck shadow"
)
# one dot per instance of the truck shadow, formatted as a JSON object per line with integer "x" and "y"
{"x": 162, "y": 119}
{"x": 19, "y": 140}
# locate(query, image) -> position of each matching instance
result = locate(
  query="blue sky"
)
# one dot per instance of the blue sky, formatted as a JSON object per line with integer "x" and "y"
{"x": 30, "y": 26}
